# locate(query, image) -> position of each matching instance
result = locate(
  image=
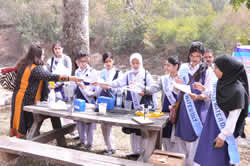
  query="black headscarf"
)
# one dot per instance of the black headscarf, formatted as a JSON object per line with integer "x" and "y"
{"x": 232, "y": 88}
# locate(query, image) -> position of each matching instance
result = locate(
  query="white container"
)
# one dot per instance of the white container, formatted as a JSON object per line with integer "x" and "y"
{"x": 52, "y": 96}
{"x": 102, "y": 108}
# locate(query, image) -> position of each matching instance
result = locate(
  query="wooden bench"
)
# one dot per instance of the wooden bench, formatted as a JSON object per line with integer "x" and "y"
{"x": 11, "y": 147}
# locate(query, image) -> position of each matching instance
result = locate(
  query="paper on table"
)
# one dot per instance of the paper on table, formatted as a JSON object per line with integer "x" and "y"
{"x": 182, "y": 87}
{"x": 142, "y": 121}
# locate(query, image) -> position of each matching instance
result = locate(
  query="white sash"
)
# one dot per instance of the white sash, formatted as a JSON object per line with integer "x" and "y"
{"x": 134, "y": 95}
{"x": 166, "y": 90}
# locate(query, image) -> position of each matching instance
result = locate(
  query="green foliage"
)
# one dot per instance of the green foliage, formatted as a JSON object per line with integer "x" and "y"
{"x": 239, "y": 3}
{"x": 36, "y": 21}
{"x": 127, "y": 27}
{"x": 138, "y": 25}
{"x": 172, "y": 23}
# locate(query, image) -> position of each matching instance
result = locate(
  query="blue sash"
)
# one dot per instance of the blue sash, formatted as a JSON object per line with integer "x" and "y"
{"x": 103, "y": 75}
{"x": 134, "y": 96}
{"x": 189, "y": 104}
{"x": 166, "y": 90}
{"x": 221, "y": 123}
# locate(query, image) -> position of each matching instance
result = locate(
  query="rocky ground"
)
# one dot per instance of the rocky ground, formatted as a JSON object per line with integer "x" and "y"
{"x": 122, "y": 141}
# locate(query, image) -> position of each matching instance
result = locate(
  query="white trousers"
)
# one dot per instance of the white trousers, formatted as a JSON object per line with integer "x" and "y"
{"x": 86, "y": 132}
{"x": 170, "y": 144}
{"x": 187, "y": 148}
{"x": 138, "y": 143}
{"x": 107, "y": 135}
{"x": 66, "y": 121}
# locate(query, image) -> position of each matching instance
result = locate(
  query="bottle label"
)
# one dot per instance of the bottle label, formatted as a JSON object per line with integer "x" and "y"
{"x": 119, "y": 101}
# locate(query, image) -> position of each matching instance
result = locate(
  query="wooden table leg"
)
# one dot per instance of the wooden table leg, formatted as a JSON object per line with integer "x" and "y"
{"x": 159, "y": 140}
{"x": 35, "y": 128}
{"x": 151, "y": 137}
{"x": 56, "y": 123}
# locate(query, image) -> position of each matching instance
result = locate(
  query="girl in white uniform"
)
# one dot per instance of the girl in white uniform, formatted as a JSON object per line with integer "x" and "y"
{"x": 168, "y": 97}
{"x": 108, "y": 74}
{"x": 87, "y": 92}
{"x": 60, "y": 64}
{"x": 138, "y": 77}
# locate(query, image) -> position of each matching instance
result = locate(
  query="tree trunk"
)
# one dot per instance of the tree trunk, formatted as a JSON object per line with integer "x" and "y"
{"x": 75, "y": 27}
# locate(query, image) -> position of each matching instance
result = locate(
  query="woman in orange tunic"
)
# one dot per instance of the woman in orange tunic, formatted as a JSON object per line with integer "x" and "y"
{"x": 30, "y": 80}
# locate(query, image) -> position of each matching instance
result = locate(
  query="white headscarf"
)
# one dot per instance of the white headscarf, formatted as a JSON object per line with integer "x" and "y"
{"x": 139, "y": 58}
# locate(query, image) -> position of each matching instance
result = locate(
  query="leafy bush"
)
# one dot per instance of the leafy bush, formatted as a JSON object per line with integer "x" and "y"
{"x": 36, "y": 21}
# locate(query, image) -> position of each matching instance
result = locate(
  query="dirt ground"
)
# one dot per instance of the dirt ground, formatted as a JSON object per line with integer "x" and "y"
{"x": 122, "y": 142}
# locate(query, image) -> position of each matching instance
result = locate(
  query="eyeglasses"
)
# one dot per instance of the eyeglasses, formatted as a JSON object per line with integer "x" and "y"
{"x": 195, "y": 56}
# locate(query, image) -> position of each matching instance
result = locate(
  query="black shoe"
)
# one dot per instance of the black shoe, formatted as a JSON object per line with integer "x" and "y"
{"x": 133, "y": 156}
{"x": 87, "y": 147}
{"x": 109, "y": 152}
{"x": 78, "y": 145}
{"x": 243, "y": 135}
{"x": 76, "y": 137}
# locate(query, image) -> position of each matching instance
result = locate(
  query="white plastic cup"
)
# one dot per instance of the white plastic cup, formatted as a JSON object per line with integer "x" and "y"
{"x": 102, "y": 108}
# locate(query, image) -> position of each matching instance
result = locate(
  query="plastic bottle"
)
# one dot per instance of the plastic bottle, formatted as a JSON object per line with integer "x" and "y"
{"x": 52, "y": 96}
{"x": 119, "y": 98}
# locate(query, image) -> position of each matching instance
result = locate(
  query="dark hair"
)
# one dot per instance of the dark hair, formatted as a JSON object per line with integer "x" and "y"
{"x": 32, "y": 57}
{"x": 174, "y": 60}
{"x": 57, "y": 43}
{"x": 208, "y": 51}
{"x": 198, "y": 46}
{"x": 106, "y": 55}
{"x": 81, "y": 54}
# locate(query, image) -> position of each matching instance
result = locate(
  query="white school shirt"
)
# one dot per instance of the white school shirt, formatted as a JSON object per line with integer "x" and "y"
{"x": 171, "y": 81}
{"x": 209, "y": 77}
{"x": 158, "y": 86}
{"x": 232, "y": 119}
{"x": 59, "y": 65}
{"x": 89, "y": 75}
{"x": 109, "y": 75}
{"x": 138, "y": 79}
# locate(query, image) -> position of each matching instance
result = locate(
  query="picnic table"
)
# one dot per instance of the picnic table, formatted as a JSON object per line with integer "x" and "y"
{"x": 117, "y": 117}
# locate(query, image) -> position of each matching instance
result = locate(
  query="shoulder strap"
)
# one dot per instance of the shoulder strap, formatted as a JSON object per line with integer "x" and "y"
{"x": 65, "y": 61}
{"x": 52, "y": 61}
{"x": 145, "y": 81}
{"x": 116, "y": 74}
{"x": 127, "y": 79}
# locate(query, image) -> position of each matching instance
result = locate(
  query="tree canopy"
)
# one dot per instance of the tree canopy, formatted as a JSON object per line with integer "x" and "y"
{"x": 239, "y": 3}
{"x": 151, "y": 27}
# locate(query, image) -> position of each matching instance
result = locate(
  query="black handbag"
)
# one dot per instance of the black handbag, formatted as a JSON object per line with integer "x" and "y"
{"x": 147, "y": 99}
